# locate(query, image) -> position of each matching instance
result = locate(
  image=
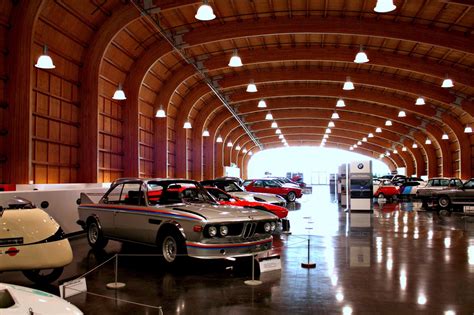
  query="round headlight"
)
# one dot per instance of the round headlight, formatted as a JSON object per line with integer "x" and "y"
{"x": 212, "y": 231}
{"x": 267, "y": 227}
{"x": 224, "y": 230}
{"x": 273, "y": 226}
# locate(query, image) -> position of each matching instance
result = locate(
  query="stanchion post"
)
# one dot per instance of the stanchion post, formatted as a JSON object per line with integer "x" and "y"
{"x": 308, "y": 264}
{"x": 115, "y": 285}
{"x": 253, "y": 281}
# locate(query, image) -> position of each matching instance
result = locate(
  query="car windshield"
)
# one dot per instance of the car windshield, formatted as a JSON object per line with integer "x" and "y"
{"x": 172, "y": 192}
{"x": 229, "y": 186}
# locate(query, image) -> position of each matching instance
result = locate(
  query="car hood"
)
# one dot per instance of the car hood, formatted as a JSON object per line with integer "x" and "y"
{"x": 265, "y": 196}
{"x": 221, "y": 213}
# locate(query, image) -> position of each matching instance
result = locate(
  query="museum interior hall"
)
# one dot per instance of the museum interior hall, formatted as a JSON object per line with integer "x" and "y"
{"x": 237, "y": 156}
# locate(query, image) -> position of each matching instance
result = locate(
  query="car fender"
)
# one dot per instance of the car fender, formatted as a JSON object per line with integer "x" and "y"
{"x": 172, "y": 223}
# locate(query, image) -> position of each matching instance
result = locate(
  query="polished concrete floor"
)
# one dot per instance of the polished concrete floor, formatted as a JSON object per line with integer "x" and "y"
{"x": 397, "y": 260}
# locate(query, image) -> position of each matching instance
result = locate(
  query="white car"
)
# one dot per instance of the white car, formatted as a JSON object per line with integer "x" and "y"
{"x": 32, "y": 242}
{"x": 16, "y": 300}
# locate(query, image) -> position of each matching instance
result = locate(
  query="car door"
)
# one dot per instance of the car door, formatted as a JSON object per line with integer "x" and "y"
{"x": 271, "y": 186}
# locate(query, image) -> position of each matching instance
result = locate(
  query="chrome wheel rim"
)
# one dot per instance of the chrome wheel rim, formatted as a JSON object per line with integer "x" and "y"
{"x": 291, "y": 196}
{"x": 170, "y": 249}
{"x": 93, "y": 233}
{"x": 443, "y": 202}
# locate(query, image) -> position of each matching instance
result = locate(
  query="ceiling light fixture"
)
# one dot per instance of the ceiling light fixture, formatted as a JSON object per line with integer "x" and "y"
{"x": 119, "y": 94}
{"x": 404, "y": 149}
{"x": 219, "y": 139}
{"x": 384, "y": 6}
{"x": 445, "y": 136}
{"x": 44, "y": 61}
{"x": 387, "y": 153}
{"x": 331, "y": 124}
{"x": 328, "y": 130}
{"x": 269, "y": 116}
{"x": 229, "y": 144}
{"x": 447, "y": 83}
{"x": 414, "y": 146}
{"x": 427, "y": 141}
{"x": 278, "y": 132}
{"x": 355, "y": 146}
{"x": 378, "y": 130}
{"x": 244, "y": 150}
{"x": 395, "y": 151}
{"x": 274, "y": 124}
{"x": 364, "y": 139}
{"x": 250, "y": 153}
{"x": 280, "y": 137}
{"x": 335, "y": 115}
{"x": 388, "y": 123}
{"x": 205, "y": 12}
{"x": 187, "y": 125}
{"x": 251, "y": 87}
{"x": 420, "y": 101}
{"x": 468, "y": 129}
{"x": 237, "y": 148}
{"x": 205, "y": 133}
{"x": 381, "y": 155}
{"x": 351, "y": 148}
{"x": 361, "y": 56}
{"x": 340, "y": 103}
{"x": 160, "y": 113}
{"x": 235, "y": 60}
{"x": 359, "y": 142}
{"x": 370, "y": 135}
{"x": 326, "y": 136}
{"x": 262, "y": 104}
{"x": 402, "y": 113}
{"x": 348, "y": 85}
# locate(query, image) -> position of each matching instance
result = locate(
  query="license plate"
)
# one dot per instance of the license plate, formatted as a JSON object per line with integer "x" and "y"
{"x": 469, "y": 209}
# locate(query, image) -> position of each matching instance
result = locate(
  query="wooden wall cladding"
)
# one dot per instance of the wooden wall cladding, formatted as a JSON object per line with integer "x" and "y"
{"x": 171, "y": 148}
{"x": 110, "y": 140}
{"x": 55, "y": 122}
{"x": 189, "y": 156}
{"x": 5, "y": 9}
{"x": 146, "y": 134}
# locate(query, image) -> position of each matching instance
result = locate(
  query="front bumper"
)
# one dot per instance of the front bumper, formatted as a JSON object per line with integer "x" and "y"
{"x": 229, "y": 249}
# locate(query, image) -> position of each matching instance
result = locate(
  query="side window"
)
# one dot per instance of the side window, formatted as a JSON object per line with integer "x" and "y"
{"x": 258, "y": 183}
{"x": 154, "y": 193}
{"x": 458, "y": 183}
{"x": 469, "y": 185}
{"x": 113, "y": 196}
{"x": 133, "y": 195}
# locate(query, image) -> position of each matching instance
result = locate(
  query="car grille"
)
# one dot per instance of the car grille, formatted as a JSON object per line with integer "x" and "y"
{"x": 249, "y": 229}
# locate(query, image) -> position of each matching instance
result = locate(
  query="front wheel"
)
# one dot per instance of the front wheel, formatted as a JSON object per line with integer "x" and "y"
{"x": 95, "y": 237}
{"x": 381, "y": 196}
{"x": 172, "y": 249}
{"x": 43, "y": 276}
{"x": 444, "y": 202}
{"x": 291, "y": 196}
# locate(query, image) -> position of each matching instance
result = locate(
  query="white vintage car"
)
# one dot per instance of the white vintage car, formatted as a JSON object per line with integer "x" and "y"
{"x": 178, "y": 216}
{"x": 16, "y": 300}
{"x": 31, "y": 241}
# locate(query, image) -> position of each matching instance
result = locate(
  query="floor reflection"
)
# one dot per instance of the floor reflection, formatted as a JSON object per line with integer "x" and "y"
{"x": 398, "y": 259}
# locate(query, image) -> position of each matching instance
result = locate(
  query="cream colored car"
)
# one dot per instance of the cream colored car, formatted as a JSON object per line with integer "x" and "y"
{"x": 31, "y": 242}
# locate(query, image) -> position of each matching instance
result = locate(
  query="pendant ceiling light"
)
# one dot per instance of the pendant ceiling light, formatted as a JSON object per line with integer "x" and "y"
{"x": 355, "y": 146}
{"x": 326, "y": 136}
{"x": 235, "y": 60}
{"x": 187, "y": 125}
{"x": 427, "y": 141}
{"x": 274, "y": 124}
{"x": 269, "y": 116}
{"x": 395, "y": 151}
{"x": 378, "y": 130}
{"x": 420, "y": 101}
{"x": 262, "y": 104}
{"x": 348, "y": 85}
{"x": 331, "y": 124}
{"x": 340, "y": 103}
{"x": 237, "y": 148}
{"x": 384, "y": 6}
{"x": 445, "y": 136}
{"x": 359, "y": 142}
{"x": 414, "y": 146}
{"x": 44, "y": 61}
{"x": 447, "y": 83}
{"x": 119, "y": 94}
{"x": 370, "y": 135}
{"x": 250, "y": 153}
{"x": 361, "y": 56}
{"x": 381, "y": 156}
{"x": 328, "y": 130}
{"x": 364, "y": 139}
{"x": 335, "y": 115}
{"x": 205, "y": 12}
{"x": 251, "y": 87}
{"x": 388, "y": 123}
{"x": 280, "y": 137}
{"x": 205, "y": 133}
{"x": 387, "y": 153}
{"x": 244, "y": 150}
{"x": 160, "y": 113}
{"x": 351, "y": 148}
{"x": 219, "y": 139}
{"x": 468, "y": 129}
{"x": 278, "y": 132}
{"x": 229, "y": 144}
{"x": 404, "y": 149}
{"x": 402, "y": 113}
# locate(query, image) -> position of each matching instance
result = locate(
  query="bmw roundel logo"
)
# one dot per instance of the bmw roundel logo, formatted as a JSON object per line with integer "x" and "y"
{"x": 360, "y": 166}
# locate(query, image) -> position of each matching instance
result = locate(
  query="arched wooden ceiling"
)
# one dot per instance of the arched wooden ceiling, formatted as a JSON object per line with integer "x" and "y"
{"x": 298, "y": 52}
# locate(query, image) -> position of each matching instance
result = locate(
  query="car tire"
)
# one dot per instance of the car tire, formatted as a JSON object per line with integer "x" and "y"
{"x": 172, "y": 248}
{"x": 95, "y": 237}
{"x": 381, "y": 195}
{"x": 291, "y": 196}
{"x": 444, "y": 202}
{"x": 43, "y": 276}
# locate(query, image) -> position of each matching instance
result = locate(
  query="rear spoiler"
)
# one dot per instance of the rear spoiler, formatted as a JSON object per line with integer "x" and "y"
{"x": 85, "y": 199}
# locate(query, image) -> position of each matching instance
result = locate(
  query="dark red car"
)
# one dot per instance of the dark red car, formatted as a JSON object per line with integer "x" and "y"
{"x": 226, "y": 199}
{"x": 290, "y": 193}
{"x": 387, "y": 190}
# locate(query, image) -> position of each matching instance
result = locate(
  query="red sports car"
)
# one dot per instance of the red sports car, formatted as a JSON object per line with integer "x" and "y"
{"x": 387, "y": 190}
{"x": 273, "y": 187}
{"x": 225, "y": 199}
